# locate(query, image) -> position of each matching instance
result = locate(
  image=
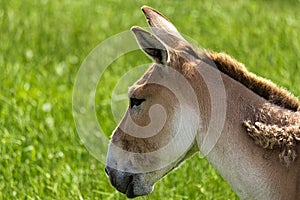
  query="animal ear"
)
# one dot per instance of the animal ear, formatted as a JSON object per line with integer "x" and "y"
{"x": 164, "y": 29}
{"x": 158, "y": 22}
{"x": 151, "y": 45}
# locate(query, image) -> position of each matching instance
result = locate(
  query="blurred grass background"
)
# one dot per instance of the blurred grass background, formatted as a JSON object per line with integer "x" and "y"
{"x": 42, "y": 44}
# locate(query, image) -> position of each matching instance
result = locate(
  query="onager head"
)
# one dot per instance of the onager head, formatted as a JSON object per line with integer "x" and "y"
{"x": 159, "y": 128}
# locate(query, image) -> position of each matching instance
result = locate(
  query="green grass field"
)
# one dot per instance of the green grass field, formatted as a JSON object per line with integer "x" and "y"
{"x": 42, "y": 45}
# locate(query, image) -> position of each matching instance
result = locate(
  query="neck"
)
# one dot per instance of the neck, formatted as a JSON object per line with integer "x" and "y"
{"x": 251, "y": 171}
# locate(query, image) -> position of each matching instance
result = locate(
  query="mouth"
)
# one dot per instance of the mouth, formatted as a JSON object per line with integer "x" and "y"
{"x": 131, "y": 192}
{"x": 128, "y": 190}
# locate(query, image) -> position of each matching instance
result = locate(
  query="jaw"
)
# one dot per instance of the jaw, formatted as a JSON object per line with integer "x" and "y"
{"x": 144, "y": 185}
{"x": 134, "y": 185}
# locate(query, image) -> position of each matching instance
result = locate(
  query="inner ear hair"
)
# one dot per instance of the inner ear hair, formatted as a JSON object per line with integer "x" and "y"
{"x": 151, "y": 45}
{"x": 157, "y": 54}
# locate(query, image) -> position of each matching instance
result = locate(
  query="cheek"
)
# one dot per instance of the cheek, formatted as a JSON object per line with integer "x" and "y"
{"x": 184, "y": 125}
{"x": 159, "y": 153}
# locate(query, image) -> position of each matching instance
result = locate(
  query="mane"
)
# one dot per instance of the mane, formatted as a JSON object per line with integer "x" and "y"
{"x": 273, "y": 126}
{"x": 263, "y": 87}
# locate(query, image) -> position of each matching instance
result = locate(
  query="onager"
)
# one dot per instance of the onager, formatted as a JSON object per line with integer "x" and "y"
{"x": 171, "y": 113}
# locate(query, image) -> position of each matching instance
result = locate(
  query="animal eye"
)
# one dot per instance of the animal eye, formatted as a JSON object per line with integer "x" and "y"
{"x": 136, "y": 102}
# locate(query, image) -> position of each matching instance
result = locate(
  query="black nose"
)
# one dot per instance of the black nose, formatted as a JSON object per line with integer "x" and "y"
{"x": 120, "y": 180}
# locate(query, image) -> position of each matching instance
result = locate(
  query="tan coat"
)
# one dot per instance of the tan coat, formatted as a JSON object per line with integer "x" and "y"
{"x": 256, "y": 149}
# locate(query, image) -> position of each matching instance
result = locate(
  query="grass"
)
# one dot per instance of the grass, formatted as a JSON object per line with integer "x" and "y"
{"x": 42, "y": 46}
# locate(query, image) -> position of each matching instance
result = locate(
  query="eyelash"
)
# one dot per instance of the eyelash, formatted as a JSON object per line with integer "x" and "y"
{"x": 136, "y": 102}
